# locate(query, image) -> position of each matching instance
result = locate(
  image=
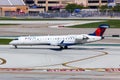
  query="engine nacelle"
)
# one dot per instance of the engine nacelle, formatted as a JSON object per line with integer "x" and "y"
{"x": 81, "y": 38}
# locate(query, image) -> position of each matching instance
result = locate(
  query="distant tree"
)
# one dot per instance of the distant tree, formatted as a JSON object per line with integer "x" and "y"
{"x": 116, "y": 8}
{"x": 72, "y": 7}
{"x": 103, "y": 8}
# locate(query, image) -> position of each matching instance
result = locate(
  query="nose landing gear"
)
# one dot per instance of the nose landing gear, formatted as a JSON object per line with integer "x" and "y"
{"x": 15, "y": 46}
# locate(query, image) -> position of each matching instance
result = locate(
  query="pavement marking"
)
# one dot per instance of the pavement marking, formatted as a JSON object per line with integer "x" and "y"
{"x": 2, "y": 61}
{"x": 66, "y": 64}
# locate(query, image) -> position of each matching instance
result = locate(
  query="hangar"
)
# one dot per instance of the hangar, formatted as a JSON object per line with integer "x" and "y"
{"x": 8, "y": 7}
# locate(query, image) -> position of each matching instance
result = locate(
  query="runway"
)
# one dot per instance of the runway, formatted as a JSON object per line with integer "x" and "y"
{"x": 48, "y": 62}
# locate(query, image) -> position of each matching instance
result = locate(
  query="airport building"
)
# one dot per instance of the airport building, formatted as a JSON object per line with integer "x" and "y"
{"x": 96, "y": 3}
{"x": 46, "y": 5}
{"x": 117, "y": 1}
{"x": 39, "y": 6}
{"x": 92, "y": 3}
{"x": 12, "y": 6}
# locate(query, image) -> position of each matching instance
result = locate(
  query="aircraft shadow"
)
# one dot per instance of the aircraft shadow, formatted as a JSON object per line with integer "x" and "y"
{"x": 58, "y": 49}
{"x": 87, "y": 48}
{"x": 78, "y": 49}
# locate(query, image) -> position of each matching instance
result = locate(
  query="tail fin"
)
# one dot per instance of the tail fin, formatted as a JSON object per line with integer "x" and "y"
{"x": 100, "y": 30}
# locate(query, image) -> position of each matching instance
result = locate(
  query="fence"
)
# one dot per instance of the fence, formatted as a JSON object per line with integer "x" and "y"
{"x": 64, "y": 14}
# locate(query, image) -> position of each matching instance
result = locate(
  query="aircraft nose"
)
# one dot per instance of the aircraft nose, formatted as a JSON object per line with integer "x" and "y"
{"x": 12, "y": 42}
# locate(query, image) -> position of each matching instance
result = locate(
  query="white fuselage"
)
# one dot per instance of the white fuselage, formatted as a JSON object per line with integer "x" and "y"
{"x": 63, "y": 40}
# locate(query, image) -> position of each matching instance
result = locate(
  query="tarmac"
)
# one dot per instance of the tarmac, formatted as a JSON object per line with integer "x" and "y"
{"x": 96, "y": 61}
{"x": 41, "y": 28}
{"x": 50, "y": 63}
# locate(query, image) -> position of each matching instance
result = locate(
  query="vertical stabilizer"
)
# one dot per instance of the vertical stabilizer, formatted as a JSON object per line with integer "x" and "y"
{"x": 100, "y": 30}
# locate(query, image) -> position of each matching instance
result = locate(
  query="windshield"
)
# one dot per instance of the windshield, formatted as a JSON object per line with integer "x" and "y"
{"x": 16, "y": 39}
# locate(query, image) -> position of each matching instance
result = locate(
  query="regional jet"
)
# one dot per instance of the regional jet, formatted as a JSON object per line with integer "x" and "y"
{"x": 63, "y": 41}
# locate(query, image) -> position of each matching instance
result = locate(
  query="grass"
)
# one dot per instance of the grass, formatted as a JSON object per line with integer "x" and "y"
{"x": 5, "y": 41}
{"x": 112, "y": 23}
{"x": 7, "y": 24}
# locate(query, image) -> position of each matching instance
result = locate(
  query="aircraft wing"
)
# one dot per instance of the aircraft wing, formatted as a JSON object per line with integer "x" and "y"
{"x": 57, "y": 43}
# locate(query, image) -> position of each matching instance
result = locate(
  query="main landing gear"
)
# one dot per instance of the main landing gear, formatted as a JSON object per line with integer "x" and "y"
{"x": 63, "y": 47}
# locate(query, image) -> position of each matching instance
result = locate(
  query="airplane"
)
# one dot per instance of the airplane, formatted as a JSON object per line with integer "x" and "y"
{"x": 63, "y": 41}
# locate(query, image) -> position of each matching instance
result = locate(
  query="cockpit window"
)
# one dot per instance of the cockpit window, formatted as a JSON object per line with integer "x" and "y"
{"x": 16, "y": 39}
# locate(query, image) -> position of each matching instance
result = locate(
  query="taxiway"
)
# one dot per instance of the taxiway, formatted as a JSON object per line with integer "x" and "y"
{"x": 48, "y": 57}
{"x": 48, "y": 63}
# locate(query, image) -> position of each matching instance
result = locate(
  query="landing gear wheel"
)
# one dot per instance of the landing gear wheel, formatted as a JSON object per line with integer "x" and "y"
{"x": 61, "y": 47}
{"x": 65, "y": 47}
{"x": 15, "y": 46}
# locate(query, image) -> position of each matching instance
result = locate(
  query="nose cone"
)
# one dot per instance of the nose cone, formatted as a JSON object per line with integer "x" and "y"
{"x": 12, "y": 42}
